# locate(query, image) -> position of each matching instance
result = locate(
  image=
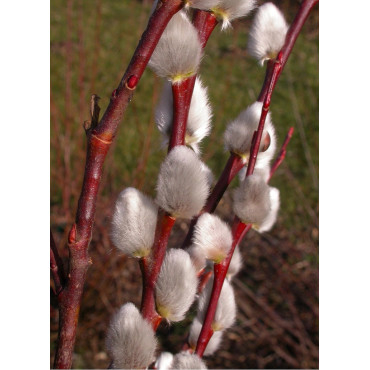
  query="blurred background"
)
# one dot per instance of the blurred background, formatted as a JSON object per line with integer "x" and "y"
{"x": 277, "y": 289}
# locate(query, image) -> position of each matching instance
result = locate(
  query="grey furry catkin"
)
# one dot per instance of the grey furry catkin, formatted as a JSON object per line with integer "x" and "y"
{"x": 130, "y": 341}
{"x": 251, "y": 201}
{"x": 267, "y": 34}
{"x": 133, "y": 223}
{"x": 183, "y": 184}
{"x": 176, "y": 285}
{"x": 178, "y": 53}
{"x": 213, "y": 237}
{"x": 186, "y": 360}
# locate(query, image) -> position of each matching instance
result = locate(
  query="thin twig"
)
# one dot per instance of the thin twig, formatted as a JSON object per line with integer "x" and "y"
{"x": 282, "y": 153}
{"x": 99, "y": 141}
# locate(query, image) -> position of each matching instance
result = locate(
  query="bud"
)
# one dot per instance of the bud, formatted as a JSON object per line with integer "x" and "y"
{"x": 130, "y": 342}
{"x": 226, "y": 306}
{"x": 186, "y": 360}
{"x": 213, "y": 343}
{"x": 213, "y": 237}
{"x": 178, "y": 52}
{"x": 239, "y": 134}
{"x": 270, "y": 220}
{"x": 164, "y": 361}
{"x": 267, "y": 34}
{"x": 235, "y": 264}
{"x": 182, "y": 186}
{"x": 133, "y": 223}
{"x": 176, "y": 285}
{"x": 199, "y": 119}
{"x": 228, "y": 10}
{"x": 252, "y": 200}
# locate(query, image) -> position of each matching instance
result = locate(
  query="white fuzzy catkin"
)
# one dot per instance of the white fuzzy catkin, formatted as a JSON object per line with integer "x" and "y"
{"x": 270, "y": 220}
{"x": 263, "y": 171}
{"x": 133, "y": 223}
{"x": 186, "y": 360}
{"x": 130, "y": 341}
{"x": 182, "y": 186}
{"x": 228, "y": 10}
{"x": 213, "y": 343}
{"x": 226, "y": 306}
{"x": 199, "y": 119}
{"x": 179, "y": 51}
{"x": 267, "y": 34}
{"x": 164, "y": 361}
{"x": 239, "y": 133}
{"x": 213, "y": 237}
{"x": 251, "y": 201}
{"x": 176, "y": 285}
{"x": 235, "y": 264}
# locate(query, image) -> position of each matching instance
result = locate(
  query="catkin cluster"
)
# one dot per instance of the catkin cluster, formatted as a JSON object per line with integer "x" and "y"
{"x": 183, "y": 186}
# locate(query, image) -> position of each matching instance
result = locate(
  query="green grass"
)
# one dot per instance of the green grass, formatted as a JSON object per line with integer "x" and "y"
{"x": 233, "y": 79}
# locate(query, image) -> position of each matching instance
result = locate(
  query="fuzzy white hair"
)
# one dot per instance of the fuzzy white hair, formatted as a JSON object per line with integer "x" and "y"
{"x": 164, "y": 361}
{"x": 133, "y": 223}
{"x": 186, "y": 360}
{"x": 197, "y": 257}
{"x": 202, "y": 4}
{"x": 239, "y": 134}
{"x": 228, "y": 10}
{"x": 179, "y": 51}
{"x": 176, "y": 285}
{"x": 267, "y": 34}
{"x": 235, "y": 263}
{"x": 263, "y": 171}
{"x": 270, "y": 220}
{"x": 208, "y": 173}
{"x": 213, "y": 343}
{"x": 130, "y": 341}
{"x": 182, "y": 186}
{"x": 199, "y": 119}
{"x": 226, "y": 306}
{"x": 213, "y": 237}
{"x": 251, "y": 201}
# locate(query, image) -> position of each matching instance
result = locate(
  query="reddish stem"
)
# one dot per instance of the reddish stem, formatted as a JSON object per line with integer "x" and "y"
{"x": 279, "y": 159}
{"x": 232, "y": 167}
{"x": 279, "y": 63}
{"x": 163, "y": 229}
{"x": 99, "y": 141}
{"x": 182, "y": 93}
{"x": 205, "y": 23}
{"x": 220, "y": 270}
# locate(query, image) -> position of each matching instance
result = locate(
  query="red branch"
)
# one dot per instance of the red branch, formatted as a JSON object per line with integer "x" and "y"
{"x": 239, "y": 229}
{"x": 279, "y": 63}
{"x": 162, "y": 233}
{"x": 279, "y": 159}
{"x": 98, "y": 143}
{"x": 220, "y": 269}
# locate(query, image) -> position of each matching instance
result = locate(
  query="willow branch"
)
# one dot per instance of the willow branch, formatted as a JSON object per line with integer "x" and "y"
{"x": 239, "y": 229}
{"x": 282, "y": 153}
{"x": 99, "y": 140}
